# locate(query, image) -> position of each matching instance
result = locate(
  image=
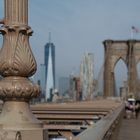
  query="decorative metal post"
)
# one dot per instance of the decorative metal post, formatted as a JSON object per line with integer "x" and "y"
{"x": 17, "y": 63}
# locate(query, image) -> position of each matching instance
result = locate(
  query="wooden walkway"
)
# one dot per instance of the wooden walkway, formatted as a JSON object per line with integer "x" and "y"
{"x": 129, "y": 129}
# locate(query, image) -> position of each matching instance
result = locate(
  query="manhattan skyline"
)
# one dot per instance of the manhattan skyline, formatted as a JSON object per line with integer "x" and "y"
{"x": 79, "y": 26}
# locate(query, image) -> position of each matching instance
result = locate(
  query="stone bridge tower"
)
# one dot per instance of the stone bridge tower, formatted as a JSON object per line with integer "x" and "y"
{"x": 129, "y": 52}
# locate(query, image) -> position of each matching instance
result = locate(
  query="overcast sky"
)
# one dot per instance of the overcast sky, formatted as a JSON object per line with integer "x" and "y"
{"x": 79, "y": 26}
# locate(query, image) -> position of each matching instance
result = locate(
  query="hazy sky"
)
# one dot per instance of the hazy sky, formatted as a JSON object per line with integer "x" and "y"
{"x": 79, "y": 26}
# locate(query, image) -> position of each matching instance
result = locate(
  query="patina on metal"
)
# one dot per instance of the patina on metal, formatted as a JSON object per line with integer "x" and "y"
{"x": 17, "y": 64}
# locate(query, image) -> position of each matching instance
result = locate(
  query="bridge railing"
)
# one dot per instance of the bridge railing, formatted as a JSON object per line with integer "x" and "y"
{"x": 103, "y": 129}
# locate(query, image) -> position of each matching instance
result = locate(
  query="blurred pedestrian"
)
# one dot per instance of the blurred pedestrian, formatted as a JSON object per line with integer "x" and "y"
{"x": 137, "y": 108}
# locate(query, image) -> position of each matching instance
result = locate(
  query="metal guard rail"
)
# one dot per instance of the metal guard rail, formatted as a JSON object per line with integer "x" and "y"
{"x": 99, "y": 130}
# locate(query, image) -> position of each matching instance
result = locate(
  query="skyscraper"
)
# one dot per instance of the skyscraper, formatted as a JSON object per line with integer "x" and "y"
{"x": 86, "y": 76}
{"x": 63, "y": 85}
{"x": 42, "y": 79}
{"x": 50, "y": 68}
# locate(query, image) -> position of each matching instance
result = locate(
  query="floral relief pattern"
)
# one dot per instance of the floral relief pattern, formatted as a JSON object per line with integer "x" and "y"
{"x": 17, "y": 63}
{"x": 16, "y": 58}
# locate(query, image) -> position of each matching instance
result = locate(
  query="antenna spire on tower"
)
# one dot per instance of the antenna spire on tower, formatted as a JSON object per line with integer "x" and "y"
{"x": 49, "y": 37}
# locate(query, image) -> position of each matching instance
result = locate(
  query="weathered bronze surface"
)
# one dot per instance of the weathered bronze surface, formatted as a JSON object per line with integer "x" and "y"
{"x": 17, "y": 64}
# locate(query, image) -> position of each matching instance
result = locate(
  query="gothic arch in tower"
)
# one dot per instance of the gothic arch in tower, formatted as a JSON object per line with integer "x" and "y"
{"x": 129, "y": 52}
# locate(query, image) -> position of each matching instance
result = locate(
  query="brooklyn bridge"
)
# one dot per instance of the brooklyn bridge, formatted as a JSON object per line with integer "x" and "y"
{"x": 102, "y": 118}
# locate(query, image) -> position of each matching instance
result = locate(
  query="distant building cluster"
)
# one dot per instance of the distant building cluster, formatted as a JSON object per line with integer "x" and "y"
{"x": 72, "y": 87}
{"x": 82, "y": 86}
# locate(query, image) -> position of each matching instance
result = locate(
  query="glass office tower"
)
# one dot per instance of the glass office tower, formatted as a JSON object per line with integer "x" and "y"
{"x": 50, "y": 69}
{"x": 42, "y": 78}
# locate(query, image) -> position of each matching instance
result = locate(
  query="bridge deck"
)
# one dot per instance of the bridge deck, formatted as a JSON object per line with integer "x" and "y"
{"x": 130, "y": 129}
{"x": 71, "y": 119}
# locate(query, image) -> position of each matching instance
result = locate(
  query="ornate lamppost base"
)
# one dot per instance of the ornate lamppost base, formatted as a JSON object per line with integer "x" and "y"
{"x": 17, "y": 116}
{"x": 16, "y": 120}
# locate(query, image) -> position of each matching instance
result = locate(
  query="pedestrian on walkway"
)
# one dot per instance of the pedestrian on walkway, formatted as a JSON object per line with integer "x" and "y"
{"x": 137, "y": 108}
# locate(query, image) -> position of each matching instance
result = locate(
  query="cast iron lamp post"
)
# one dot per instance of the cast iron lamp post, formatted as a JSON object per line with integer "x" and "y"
{"x": 17, "y": 64}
